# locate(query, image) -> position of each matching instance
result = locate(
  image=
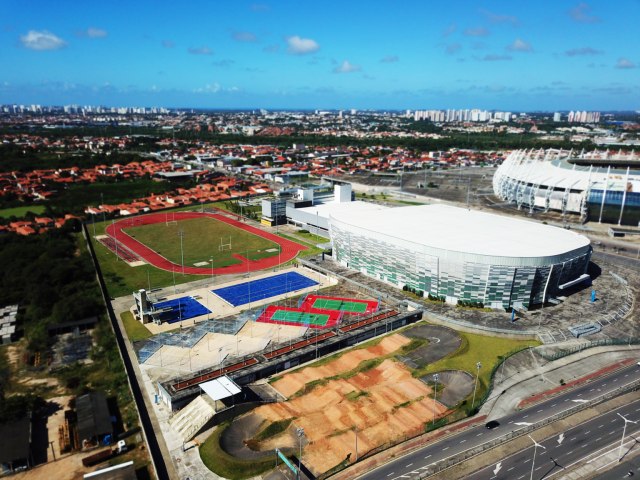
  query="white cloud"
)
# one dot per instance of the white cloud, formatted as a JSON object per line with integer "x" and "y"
{"x": 495, "y": 58}
{"x": 500, "y": 18}
{"x": 519, "y": 45}
{"x": 625, "y": 63}
{"x": 200, "y": 50}
{"x": 346, "y": 67}
{"x": 301, "y": 46}
{"x": 476, "y": 32}
{"x": 214, "y": 88}
{"x": 449, "y": 30}
{"x": 209, "y": 88}
{"x": 582, "y": 14}
{"x": 247, "y": 37}
{"x": 93, "y": 32}
{"x": 452, "y": 48}
{"x": 35, "y": 40}
{"x": 574, "y": 52}
{"x": 390, "y": 59}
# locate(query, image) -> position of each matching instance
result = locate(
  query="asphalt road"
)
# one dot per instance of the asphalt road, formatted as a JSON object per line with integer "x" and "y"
{"x": 583, "y": 443}
{"x": 412, "y": 464}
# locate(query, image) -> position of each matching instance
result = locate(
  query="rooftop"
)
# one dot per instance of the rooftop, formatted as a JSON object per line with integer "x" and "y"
{"x": 468, "y": 231}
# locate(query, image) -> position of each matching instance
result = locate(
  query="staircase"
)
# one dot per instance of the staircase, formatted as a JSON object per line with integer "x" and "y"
{"x": 188, "y": 421}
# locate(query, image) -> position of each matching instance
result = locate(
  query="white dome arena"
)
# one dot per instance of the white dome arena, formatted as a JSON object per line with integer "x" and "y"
{"x": 459, "y": 254}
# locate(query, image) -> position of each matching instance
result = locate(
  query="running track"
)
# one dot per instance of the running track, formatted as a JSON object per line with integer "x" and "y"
{"x": 116, "y": 230}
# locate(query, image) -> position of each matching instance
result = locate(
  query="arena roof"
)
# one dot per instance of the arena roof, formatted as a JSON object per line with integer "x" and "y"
{"x": 468, "y": 231}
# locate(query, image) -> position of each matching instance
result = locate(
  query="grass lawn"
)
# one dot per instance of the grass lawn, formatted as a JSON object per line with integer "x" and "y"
{"x": 20, "y": 212}
{"x": 311, "y": 248}
{"x": 312, "y": 237}
{"x": 121, "y": 279}
{"x": 227, "y": 466}
{"x": 135, "y": 330}
{"x": 201, "y": 241}
{"x": 487, "y": 350}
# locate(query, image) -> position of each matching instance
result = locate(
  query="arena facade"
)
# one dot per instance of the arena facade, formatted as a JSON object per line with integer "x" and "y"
{"x": 601, "y": 186}
{"x": 460, "y": 255}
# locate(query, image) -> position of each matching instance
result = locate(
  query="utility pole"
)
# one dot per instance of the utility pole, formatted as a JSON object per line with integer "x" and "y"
{"x": 181, "y": 235}
{"x": 475, "y": 387}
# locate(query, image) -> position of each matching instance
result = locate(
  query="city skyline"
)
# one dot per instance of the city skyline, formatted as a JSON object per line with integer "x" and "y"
{"x": 286, "y": 55}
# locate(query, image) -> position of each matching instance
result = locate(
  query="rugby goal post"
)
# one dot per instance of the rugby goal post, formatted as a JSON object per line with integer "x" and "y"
{"x": 170, "y": 219}
{"x": 224, "y": 246}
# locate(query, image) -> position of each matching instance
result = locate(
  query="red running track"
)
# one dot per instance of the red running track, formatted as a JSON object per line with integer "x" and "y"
{"x": 116, "y": 230}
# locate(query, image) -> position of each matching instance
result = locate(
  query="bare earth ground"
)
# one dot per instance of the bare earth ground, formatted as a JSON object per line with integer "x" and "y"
{"x": 392, "y": 405}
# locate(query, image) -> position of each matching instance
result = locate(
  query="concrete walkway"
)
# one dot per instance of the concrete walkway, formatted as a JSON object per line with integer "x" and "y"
{"x": 524, "y": 377}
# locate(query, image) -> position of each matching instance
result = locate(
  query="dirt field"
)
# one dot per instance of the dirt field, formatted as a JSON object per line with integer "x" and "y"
{"x": 384, "y": 403}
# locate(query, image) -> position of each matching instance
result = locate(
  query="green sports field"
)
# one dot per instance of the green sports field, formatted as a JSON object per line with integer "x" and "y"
{"x": 201, "y": 241}
{"x": 304, "y": 318}
{"x": 329, "y": 304}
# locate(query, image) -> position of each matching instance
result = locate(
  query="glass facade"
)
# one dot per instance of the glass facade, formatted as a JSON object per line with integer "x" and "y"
{"x": 450, "y": 274}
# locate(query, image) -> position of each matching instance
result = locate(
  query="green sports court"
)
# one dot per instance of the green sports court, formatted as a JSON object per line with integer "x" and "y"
{"x": 299, "y": 317}
{"x": 350, "y": 306}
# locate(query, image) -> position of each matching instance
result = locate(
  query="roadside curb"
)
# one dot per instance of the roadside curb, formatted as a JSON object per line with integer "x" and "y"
{"x": 538, "y": 397}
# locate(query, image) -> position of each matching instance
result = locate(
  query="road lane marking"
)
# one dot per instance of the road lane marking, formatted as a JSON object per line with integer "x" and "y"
{"x": 539, "y": 410}
{"x": 600, "y": 426}
{"x": 481, "y": 433}
{"x": 445, "y": 449}
{"x": 407, "y": 466}
{"x": 511, "y": 469}
{"x": 462, "y": 441}
{"x": 427, "y": 456}
{"x": 391, "y": 474}
{"x": 554, "y": 405}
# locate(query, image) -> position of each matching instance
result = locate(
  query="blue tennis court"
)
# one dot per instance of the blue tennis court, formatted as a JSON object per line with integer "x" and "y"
{"x": 255, "y": 290}
{"x": 179, "y": 309}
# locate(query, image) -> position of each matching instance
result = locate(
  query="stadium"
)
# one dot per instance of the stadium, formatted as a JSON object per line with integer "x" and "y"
{"x": 598, "y": 185}
{"x": 459, "y": 255}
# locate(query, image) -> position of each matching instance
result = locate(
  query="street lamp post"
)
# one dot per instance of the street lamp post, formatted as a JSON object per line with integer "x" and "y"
{"x": 300, "y": 433}
{"x": 436, "y": 377}
{"x": 181, "y": 235}
{"x": 535, "y": 449}
{"x": 624, "y": 430}
{"x": 475, "y": 386}
{"x": 211, "y": 271}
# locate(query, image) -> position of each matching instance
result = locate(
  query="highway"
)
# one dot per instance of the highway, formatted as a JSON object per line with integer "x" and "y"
{"x": 583, "y": 443}
{"x": 416, "y": 462}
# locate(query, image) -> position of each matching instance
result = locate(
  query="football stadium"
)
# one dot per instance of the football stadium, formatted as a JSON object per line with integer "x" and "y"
{"x": 459, "y": 255}
{"x": 601, "y": 186}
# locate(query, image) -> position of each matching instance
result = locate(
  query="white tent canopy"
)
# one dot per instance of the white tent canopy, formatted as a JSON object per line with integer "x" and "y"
{"x": 220, "y": 388}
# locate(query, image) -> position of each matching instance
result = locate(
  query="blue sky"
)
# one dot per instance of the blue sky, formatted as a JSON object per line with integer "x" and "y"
{"x": 504, "y": 55}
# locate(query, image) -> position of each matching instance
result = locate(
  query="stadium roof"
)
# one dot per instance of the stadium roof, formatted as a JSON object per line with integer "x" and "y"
{"x": 469, "y": 231}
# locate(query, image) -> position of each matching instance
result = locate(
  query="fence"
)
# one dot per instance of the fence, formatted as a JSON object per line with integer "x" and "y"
{"x": 362, "y": 288}
{"x": 605, "y": 342}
